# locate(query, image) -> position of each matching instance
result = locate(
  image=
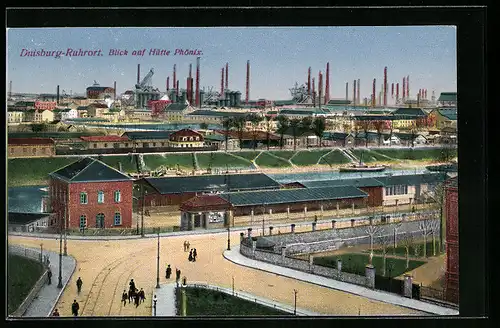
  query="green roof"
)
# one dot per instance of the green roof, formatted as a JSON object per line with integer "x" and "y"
{"x": 215, "y": 137}
{"x": 207, "y": 183}
{"x": 298, "y": 112}
{"x": 176, "y": 107}
{"x": 284, "y": 102}
{"x": 412, "y": 180}
{"x": 359, "y": 183}
{"x": 335, "y": 135}
{"x": 448, "y": 96}
{"x": 77, "y": 120}
{"x": 284, "y": 196}
{"x": 217, "y": 113}
{"x": 408, "y": 112}
{"x": 148, "y": 135}
{"x": 89, "y": 170}
{"x": 450, "y": 114}
{"x": 339, "y": 102}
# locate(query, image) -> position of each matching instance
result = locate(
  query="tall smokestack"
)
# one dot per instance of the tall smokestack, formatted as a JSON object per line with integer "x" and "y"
{"x": 247, "y": 98}
{"x": 175, "y": 86}
{"x": 385, "y": 86}
{"x": 418, "y": 98}
{"x": 327, "y": 84}
{"x": 404, "y": 88}
{"x": 392, "y": 90}
{"x": 188, "y": 91}
{"x": 197, "y": 96}
{"x": 10, "y": 89}
{"x": 359, "y": 87}
{"x": 354, "y": 94}
{"x": 374, "y": 95}
{"x": 408, "y": 86}
{"x": 191, "y": 91}
{"x": 57, "y": 96}
{"x": 114, "y": 88}
{"x": 397, "y": 93}
{"x": 168, "y": 83}
{"x": 346, "y": 92}
{"x": 309, "y": 81}
{"x": 177, "y": 89}
{"x": 227, "y": 76}
{"x": 138, "y": 73}
{"x": 222, "y": 83}
{"x": 320, "y": 89}
{"x": 313, "y": 93}
{"x": 190, "y": 69}
{"x": 425, "y": 93}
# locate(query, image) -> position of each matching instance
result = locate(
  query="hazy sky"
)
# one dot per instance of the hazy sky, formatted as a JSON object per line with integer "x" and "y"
{"x": 279, "y": 57}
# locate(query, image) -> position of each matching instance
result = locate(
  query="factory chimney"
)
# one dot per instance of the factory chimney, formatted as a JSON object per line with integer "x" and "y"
{"x": 188, "y": 90}
{"x": 385, "y": 86}
{"x": 408, "y": 86}
{"x": 227, "y": 76}
{"x": 114, "y": 96}
{"x": 247, "y": 98}
{"x": 190, "y": 69}
{"x": 418, "y": 97}
{"x": 197, "y": 96}
{"x": 168, "y": 83}
{"x": 346, "y": 92}
{"x": 138, "y": 73}
{"x": 374, "y": 95}
{"x": 320, "y": 89}
{"x": 177, "y": 89}
{"x": 354, "y": 93}
{"x": 309, "y": 81}
{"x": 57, "y": 96}
{"x": 222, "y": 84}
{"x": 359, "y": 87}
{"x": 327, "y": 84}
{"x": 10, "y": 89}
{"x": 392, "y": 90}
{"x": 404, "y": 89}
{"x": 313, "y": 93}
{"x": 175, "y": 86}
{"x": 425, "y": 93}
{"x": 397, "y": 93}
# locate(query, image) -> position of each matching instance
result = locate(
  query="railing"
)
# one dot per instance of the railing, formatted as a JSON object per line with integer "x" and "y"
{"x": 248, "y": 298}
{"x": 35, "y": 255}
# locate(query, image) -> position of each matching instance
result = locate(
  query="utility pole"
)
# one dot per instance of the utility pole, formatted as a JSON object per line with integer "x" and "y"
{"x": 158, "y": 262}
{"x": 59, "y": 283}
{"x": 295, "y": 302}
{"x": 142, "y": 210}
{"x": 66, "y": 198}
{"x": 228, "y": 177}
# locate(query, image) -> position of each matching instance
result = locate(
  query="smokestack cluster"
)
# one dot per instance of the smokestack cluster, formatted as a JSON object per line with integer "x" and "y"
{"x": 176, "y": 86}
{"x": 392, "y": 90}
{"x": 313, "y": 93}
{"x": 309, "y": 81}
{"x": 247, "y": 98}
{"x": 168, "y": 83}
{"x": 197, "y": 95}
{"x": 408, "y": 86}
{"x": 114, "y": 88}
{"x": 327, "y": 84}
{"x": 404, "y": 88}
{"x": 385, "y": 86}
{"x": 397, "y": 92}
{"x": 347, "y": 92}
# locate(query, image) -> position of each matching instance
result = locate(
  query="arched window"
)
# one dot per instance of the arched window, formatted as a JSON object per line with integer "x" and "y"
{"x": 99, "y": 220}
{"x": 118, "y": 219}
{"x": 83, "y": 221}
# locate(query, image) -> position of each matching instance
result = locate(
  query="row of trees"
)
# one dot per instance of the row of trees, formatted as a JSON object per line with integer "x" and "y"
{"x": 284, "y": 125}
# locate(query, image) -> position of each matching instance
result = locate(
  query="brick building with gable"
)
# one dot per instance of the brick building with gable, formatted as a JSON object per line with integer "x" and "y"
{"x": 90, "y": 194}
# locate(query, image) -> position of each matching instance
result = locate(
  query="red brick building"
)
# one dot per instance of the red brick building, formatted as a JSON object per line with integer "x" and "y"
{"x": 90, "y": 194}
{"x": 452, "y": 271}
{"x": 31, "y": 147}
{"x": 43, "y": 105}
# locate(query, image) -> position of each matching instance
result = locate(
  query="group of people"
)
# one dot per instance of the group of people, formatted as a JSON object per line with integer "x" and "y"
{"x": 186, "y": 246}
{"x": 134, "y": 294}
{"x": 168, "y": 273}
{"x": 192, "y": 255}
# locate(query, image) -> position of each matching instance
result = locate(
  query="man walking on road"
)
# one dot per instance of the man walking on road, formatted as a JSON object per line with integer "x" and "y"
{"x": 79, "y": 284}
{"x": 168, "y": 272}
{"x": 195, "y": 254}
{"x": 56, "y": 313}
{"x": 74, "y": 308}
{"x": 49, "y": 276}
{"x": 177, "y": 276}
{"x": 124, "y": 297}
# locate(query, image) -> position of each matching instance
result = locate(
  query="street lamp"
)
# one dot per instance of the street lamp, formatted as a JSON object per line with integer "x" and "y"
{"x": 228, "y": 238}
{"x": 154, "y": 304}
{"x": 295, "y": 302}
{"x": 158, "y": 262}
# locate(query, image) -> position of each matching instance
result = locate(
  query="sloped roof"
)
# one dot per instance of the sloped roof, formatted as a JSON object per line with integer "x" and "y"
{"x": 205, "y": 202}
{"x": 176, "y": 107}
{"x": 285, "y": 196}
{"x": 186, "y": 133}
{"x": 297, "y": 112}
{"x": 339, "y": 102}
{"x": 25, "y": 218}
{"x": 409, "y": 111}
{"x": 284, "y": 102}
{"x": 104, "y": 139}
{"x": 248, "y": 135}
{"x": 30, "y": 141}
{"x": 148, "y": 135}
{"x": 89, "y": 170}
{"x": 448, "y": 96}
{"x": 217, "y": 113}
{"x": 359, "y": 183}
{"x": 450, "y": 114}
{"x": 335, "y": 135}
{"x": 209, "y": 183}
{"x": 412, "y": 180}
{"x": 99, "y": 88}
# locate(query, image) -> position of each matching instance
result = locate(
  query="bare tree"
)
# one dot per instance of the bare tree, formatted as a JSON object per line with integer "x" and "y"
{"x": 425, "y": 230}
{"x": 407, "y": 241}
{"x": 397, "y": 226}
{"x": 434, "y": 227}
{"x": 385, "y": 241}
{"x": 372, "y": 230}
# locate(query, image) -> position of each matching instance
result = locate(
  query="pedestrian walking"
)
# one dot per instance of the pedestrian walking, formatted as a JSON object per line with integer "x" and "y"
{"x": 124, "y": 297}
{"x": 190, "y": 258}
{"x": 195, "y": 254}
{"x": 130, "y": 295}
{"x": 187, "y": 245}
{"x": 168, "y": 271}
{"x": 132, "y": 285}
{"x": 79, "y": 284}
{"x": 49, "y": 276}
{"x": 56, "y": 313}
{"x": 136, "y": 299}
{"x": 74, "y": 308}
{"x": 142, "y": 295}
{"x": 177, "y": 276}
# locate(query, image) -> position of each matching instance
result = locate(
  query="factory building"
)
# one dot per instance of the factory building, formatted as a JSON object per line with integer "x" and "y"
{"x": 98, "y": 92}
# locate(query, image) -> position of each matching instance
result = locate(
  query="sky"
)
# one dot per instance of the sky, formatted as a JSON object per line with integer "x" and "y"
{"x": 278, "y": 57}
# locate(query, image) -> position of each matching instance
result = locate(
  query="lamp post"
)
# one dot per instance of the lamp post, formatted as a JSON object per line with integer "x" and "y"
{"x": 142, "y": 210}
{"x": 295, "y": 302}
{"x": 154, "y": 304}
{"x": 41, "y": 252}
{"x": 158, "y": 262}
{"x": 59, "y": 283}
{"x": 66, "y": 197}
{"x": 228, "y": 238}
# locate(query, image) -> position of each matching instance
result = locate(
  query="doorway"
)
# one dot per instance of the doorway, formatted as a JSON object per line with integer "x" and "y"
{"x": 99, "y": 221}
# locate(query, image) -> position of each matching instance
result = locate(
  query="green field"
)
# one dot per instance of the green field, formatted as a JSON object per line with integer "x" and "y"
{"x": 335, "y": 157}
{"x": 204, "y": 302}
{"x": 355, "y": 263}
{"x": 33, "y": 171}
{"x": 220, "y": 160}
{"x": 286, "y": 154}
{"x": 128, "y": 162}
{"x": 184, "y": 161}
{"x": 369, "y": 156}
{"x": 305, "y": 158}
{"x": 250, "y": 155}
{"x": 266, "y": 160}
{"x": 22, "y": 274}
{"x": 401, "y": 251}
{"x": 416, "y": 154}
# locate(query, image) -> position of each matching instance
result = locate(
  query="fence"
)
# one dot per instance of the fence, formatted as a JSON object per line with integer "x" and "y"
{"x": 248, "y": 297}
{"x": 439, "y": 295}
{"x": 34, "y": 255}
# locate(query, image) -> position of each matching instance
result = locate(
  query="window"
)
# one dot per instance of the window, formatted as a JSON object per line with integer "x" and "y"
{"x": 83, "y": 198}
{"x": 126, "y": 144}
{"x": 118, "y": 219}
{"x": 118, "y": 196}
{"x": 95, "y": 145}
{"x": 197, "y": 138}
{"x": 154, "y": 144}
{"x": 99, "y": 220}
{"x": 83, "y": 221}
{"x": 100, "y": 197}
{"x": 105, "y": 145}
{"x": 163, "y": 144}
{"x": 190, "y": 138}
{"x": 25, "y": 150}
{"x": 34, "y": 150}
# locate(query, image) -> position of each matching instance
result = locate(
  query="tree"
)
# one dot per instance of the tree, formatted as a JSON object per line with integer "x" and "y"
{"x": 407, "y": 241}
{"x": 295, "y": 125}
{"x": 305, "y": 126}
{"x": 437, "y": 195}
{"x": 255, "y": 120}
{"x": 397, "y": 226}
{"x": 426, "y": 230}
{"x": 283, "y": 125}
{"x": 203, "y": 126}
{"x": 227, "y": 123}
{"x": 379, "y": 126}
{"x": 385, "y": 241}
{"x": 365, "y": 126}
{"x": 372, "y": 230}
{"x": 434, "y": 227}
{"x": 268, "y": 130}
{"x": 319, "y": 126}
{"x": 41, "y": 127}
{"x": 239, "y": 124}
{"x": 447, "y": 153}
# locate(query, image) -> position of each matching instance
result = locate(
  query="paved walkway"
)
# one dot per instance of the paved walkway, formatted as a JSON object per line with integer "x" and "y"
{"x": 43, "y": 305}
{"x": 235, "y": 256}
{"x": 165, "y": 306}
